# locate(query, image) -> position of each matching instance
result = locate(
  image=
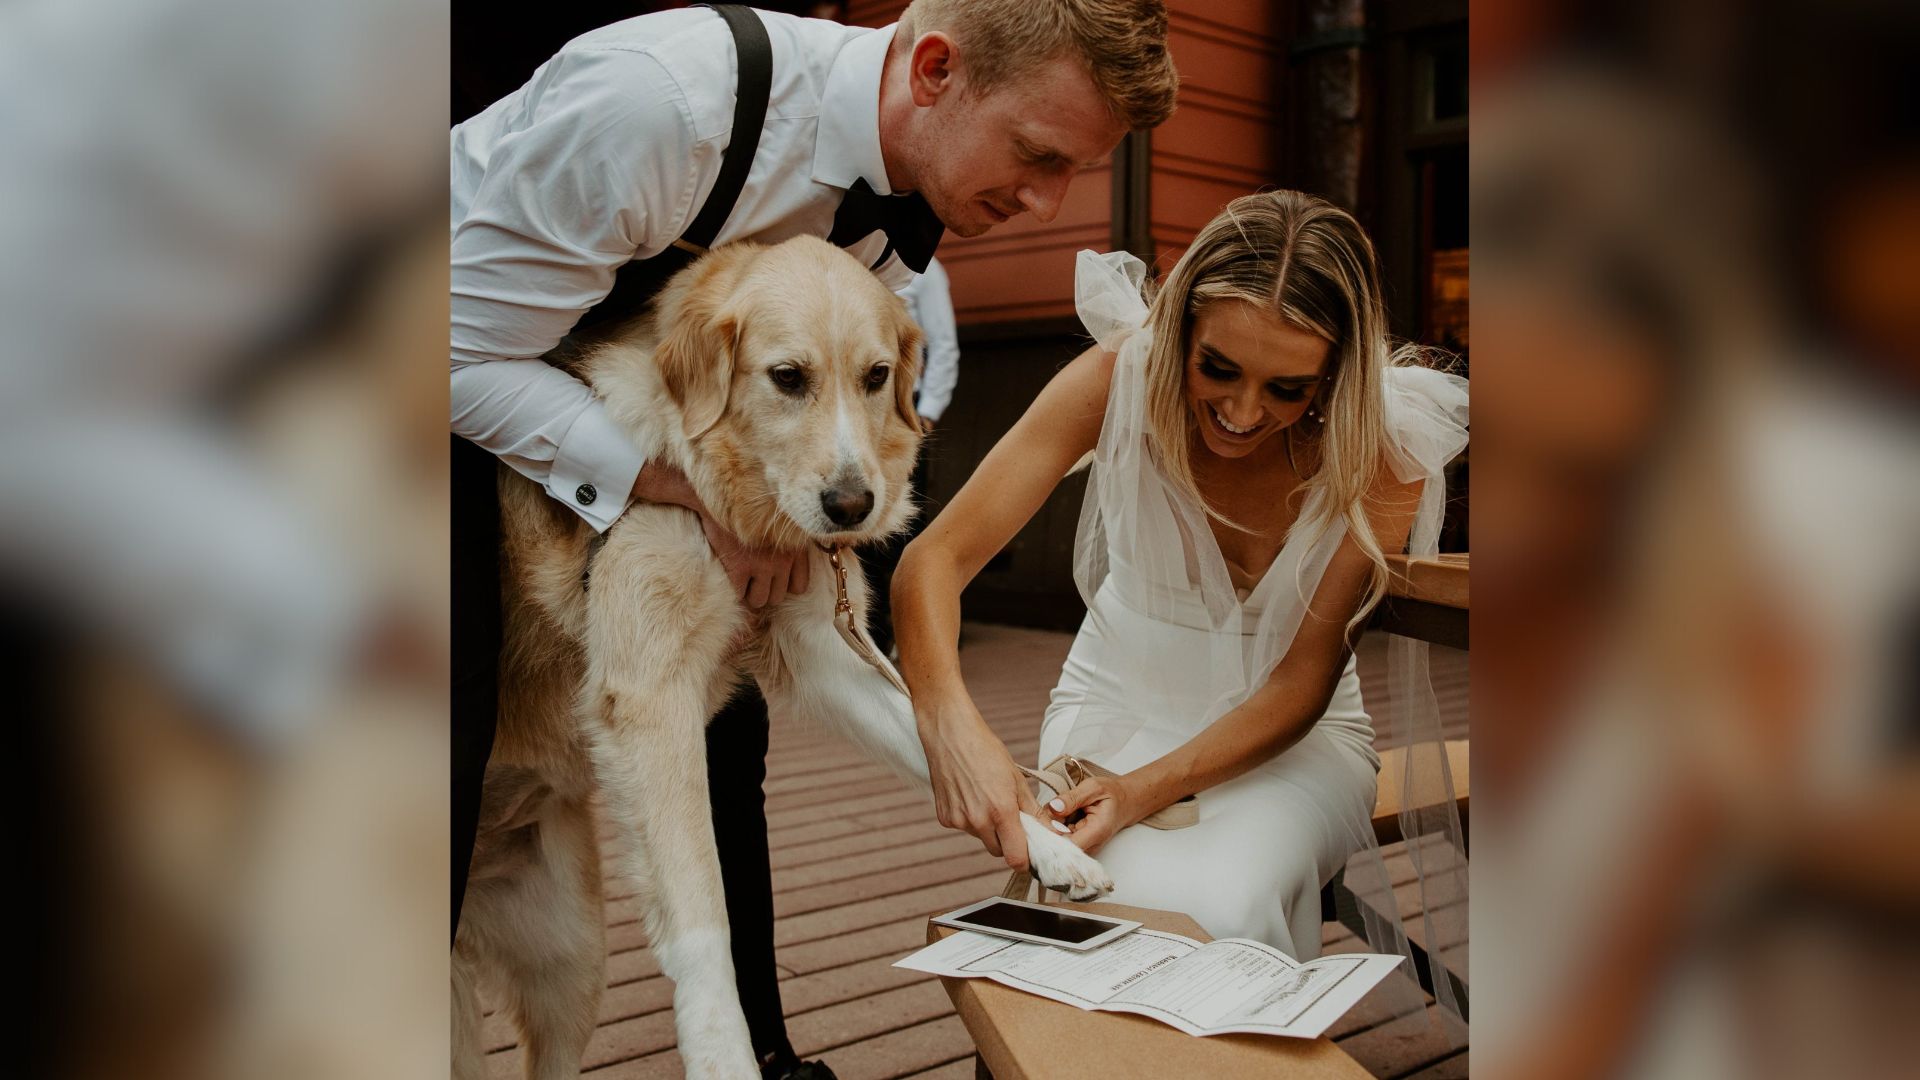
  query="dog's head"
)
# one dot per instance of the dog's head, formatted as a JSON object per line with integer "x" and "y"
{"x": 794, "y": 369}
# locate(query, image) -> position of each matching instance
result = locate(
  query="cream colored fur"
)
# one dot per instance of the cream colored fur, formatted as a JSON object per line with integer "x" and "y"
{"x": 614, "y": 661}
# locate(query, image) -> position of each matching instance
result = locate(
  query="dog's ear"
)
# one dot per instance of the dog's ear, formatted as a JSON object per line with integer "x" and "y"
{"x": 906, "y": 373}
{"x": 699, "y": 339}
{"x": 697, "y": 362}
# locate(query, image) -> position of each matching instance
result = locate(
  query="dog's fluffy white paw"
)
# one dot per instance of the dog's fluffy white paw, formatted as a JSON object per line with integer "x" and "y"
{"x": 1060, "y": 865}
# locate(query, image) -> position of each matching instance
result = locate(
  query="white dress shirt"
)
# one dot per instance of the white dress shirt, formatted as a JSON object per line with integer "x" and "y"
{"x": 605, "y": 156}
{"x": 931, "y": 305}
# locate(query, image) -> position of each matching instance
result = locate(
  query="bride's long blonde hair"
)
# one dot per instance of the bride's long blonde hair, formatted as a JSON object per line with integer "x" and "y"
{"x": 1309, "y": 262}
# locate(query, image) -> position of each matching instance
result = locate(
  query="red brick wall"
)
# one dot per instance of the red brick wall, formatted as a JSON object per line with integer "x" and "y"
{"x": 1226, "y": 137}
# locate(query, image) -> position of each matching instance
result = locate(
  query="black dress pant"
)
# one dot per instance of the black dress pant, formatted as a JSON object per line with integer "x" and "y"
{"x": 475, "y": 604}
{"x": 736, "y": 775}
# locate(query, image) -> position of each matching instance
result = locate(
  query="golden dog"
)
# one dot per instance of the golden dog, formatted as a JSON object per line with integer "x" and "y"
{"x": 786, "y": 376}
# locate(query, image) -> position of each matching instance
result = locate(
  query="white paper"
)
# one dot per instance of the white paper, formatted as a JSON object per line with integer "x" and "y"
{"x": 1231, "y": 985}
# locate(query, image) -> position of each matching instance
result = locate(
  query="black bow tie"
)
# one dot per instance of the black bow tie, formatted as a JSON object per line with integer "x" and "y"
{"x": 912, "y": 229}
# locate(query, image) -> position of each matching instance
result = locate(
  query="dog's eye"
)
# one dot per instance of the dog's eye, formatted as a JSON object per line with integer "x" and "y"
{"x": 790, "y": 379}
{"x": 877, "y": 376}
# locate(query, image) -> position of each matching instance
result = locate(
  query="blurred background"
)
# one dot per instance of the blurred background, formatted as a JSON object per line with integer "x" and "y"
{"x": 1695, "y": 726}
{"x": 224, "y": 546}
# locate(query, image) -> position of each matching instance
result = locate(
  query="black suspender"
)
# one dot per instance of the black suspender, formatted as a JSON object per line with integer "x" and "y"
{"x": 911, "y": 227}
{"x": 636, "y": 283}
{"x": 749, "y": 116}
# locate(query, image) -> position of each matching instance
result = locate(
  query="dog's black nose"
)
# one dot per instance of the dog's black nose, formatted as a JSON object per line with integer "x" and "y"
{"x": 847, "y": 507}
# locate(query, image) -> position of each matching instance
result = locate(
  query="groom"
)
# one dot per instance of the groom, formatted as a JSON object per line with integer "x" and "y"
{"x": 640, "y": 143}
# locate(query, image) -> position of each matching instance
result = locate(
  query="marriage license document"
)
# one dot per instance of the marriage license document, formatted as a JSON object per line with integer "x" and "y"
{"x": 1225, "y": 986}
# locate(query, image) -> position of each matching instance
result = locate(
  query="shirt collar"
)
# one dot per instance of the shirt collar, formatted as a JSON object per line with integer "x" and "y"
{"x": 847, "y": 146}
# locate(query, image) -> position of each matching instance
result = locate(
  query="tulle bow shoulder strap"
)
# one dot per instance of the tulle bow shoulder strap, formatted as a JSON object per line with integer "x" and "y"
{"x": 1106, "y": 293}
{"x": 1427, "y": 419}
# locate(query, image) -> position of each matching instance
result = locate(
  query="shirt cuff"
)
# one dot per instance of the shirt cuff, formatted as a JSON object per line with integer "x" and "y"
{"x": 594, "y": 470}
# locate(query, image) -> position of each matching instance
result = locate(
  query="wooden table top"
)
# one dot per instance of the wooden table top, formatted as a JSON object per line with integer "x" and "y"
{"x": 1021, "y": 1036}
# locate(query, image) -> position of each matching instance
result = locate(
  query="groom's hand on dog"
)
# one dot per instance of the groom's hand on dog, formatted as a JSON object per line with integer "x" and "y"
{"x": 975, "y": 786}
{"x": 760, "y": 577}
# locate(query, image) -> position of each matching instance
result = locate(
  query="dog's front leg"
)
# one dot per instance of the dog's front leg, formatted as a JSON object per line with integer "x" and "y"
{"x": 659, "y": 625}
{"x": 808, "y": 670}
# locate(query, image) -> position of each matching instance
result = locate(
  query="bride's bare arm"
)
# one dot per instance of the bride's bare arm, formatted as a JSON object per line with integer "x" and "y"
{"x": 1277, "y": 715}
{"x": 975, "y": 785}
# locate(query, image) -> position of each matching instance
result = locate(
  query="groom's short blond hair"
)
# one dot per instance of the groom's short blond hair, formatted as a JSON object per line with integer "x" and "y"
{"x": 1121, "y": 45}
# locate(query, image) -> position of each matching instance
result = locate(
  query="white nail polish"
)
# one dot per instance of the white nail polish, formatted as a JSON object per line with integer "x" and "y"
{"x": 1061, "y": 828}
{"x": 1058, "y": 806}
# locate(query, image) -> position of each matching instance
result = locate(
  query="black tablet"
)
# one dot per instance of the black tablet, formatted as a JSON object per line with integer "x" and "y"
{"x": 1039, "y": 923}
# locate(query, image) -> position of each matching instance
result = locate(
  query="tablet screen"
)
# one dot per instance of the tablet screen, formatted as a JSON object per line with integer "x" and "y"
{"x": 1057, "y": 925}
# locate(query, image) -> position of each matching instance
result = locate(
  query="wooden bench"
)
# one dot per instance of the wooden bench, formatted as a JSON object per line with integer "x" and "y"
{"x": 1393, "y": 769}
{"x": 1426, "y": 599}
{"x": 1022, "y": 1036}
{"x": 1337, "y": 902}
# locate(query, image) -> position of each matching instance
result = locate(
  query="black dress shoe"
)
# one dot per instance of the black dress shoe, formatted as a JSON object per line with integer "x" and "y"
{"x": 792, "y": 1068}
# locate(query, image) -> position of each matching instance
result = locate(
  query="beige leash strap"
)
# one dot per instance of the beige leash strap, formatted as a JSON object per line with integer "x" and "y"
{"x": 1067, "y": 771}
{"x": 1020, "y": 887}
{"x": 850, "y": 629}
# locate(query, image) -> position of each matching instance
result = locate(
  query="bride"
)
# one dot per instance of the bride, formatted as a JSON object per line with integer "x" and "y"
{"x": 1256, "y": 450}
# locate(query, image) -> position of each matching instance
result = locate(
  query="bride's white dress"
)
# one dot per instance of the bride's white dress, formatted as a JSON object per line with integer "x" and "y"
{"x": 1267, "y": 840}
{"x": 1169, "y": 645}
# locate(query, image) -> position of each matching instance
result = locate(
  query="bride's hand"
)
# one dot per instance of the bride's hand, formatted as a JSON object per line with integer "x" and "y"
{"x": 975, "y": 785}
{"x": 1109, "y": 804}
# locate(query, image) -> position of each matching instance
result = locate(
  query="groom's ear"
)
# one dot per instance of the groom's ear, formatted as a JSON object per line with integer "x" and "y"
{"x": 933, "y": 67}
